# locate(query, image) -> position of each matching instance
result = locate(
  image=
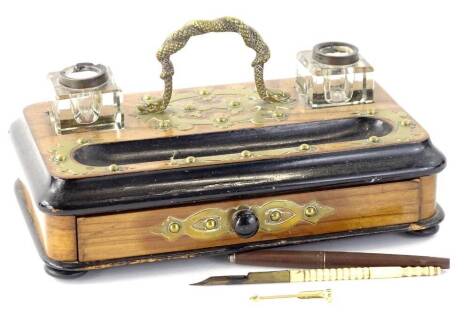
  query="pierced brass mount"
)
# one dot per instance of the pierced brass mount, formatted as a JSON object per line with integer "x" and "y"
{"x": 223, "y": 110}
{"x": 215, "y": 109}
{"x": 214, "y": 223}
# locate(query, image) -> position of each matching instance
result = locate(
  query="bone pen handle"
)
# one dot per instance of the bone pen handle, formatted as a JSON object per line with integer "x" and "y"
{"x": 360, "y": 273}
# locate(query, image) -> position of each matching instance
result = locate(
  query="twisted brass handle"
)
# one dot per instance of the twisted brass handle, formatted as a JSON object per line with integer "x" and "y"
{"x": 178, "y": 40}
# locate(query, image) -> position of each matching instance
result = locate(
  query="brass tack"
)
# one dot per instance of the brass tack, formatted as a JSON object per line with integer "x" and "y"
{"x": 222, "y": 119}
{"x": 164, "y": 124}
{"x": 279, "y": 114}
{"x": 246, "y": 154}
{"x": 82, "y": 141}
{"x": 405, "y": 122}
{"x": 210, "y": 224}
{"x": 190, "y": 159}
{"x": 113, "y": 167}
{"x": 310, "y": 211}
{"x": 275, "y": 215}
{"x": 59, "y": 157}
{"x": 304, "y": 147}
{"x": 374, "y": 139}
{"x": 235, "y": 103}
{"x": 189, "y": 108}
{"x": 174, "y": 227}
{"x": 147, "y": 98}
{"x": 371, "y": 111}
{"x": 204, "y": 92}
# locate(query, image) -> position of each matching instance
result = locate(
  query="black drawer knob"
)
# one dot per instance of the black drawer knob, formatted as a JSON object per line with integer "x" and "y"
{"x": 244, "y": 222}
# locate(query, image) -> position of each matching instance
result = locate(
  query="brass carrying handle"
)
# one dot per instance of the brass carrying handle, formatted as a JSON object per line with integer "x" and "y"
{"x": 178, "y": 40}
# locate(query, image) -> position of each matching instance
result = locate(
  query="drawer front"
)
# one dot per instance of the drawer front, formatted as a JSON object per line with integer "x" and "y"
{"x": 281, "y": 216}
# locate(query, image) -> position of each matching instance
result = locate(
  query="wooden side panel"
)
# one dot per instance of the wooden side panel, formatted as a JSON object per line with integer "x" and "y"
{"x": 428, "y": 196}
{"x": 132, "y": 234}
{"x": 57, "y": 234}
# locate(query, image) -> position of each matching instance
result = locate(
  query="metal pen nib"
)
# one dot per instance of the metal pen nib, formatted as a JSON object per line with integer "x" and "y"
{"x": 250, "y": 278}
{"x": 219, "y": 280}
{"x": 319, "y": 294}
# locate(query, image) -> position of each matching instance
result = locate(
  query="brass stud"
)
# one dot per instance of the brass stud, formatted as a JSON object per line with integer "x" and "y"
{"x": 82, "y": 141}
{"x": 235, "y": 104}
{"x": 164, "y": 124}
{"x": 405, "y": 122}
{"x": 147, "y": 98}
{"x": 246, "y": 154}
{"x": 190, "y": 108}
{"x": 190, "y": 159}
{"x": 210, "y": 224}
{"x": 310, "y": 211}
{"x": 371, "y": 111}
{"x": 374, "y": 139}
{"x": 113, "y": 167}
{"x": 59, "y": 157}
{"x": 221, "y": 119}
{"x": 204, "y": 92}
{"x": 304, "y": 147}
{"x": 275, "y": 215}
{"x": 174, "y": 227}
{"x": 279, "y": 114}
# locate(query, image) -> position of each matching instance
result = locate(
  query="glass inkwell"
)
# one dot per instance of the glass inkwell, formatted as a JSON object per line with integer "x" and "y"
{"x": 86, "y": 99}
{"x": 333, "y": 74}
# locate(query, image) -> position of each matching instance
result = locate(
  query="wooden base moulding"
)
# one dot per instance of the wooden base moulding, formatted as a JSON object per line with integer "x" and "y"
{"x": 115, "y": 236}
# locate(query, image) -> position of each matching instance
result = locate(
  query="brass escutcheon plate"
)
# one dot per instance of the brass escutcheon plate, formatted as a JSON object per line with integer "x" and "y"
{"x": 215, "y": 223}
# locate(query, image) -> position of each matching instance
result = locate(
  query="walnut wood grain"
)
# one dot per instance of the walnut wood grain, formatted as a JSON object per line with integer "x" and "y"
{"x": 57, "y": 234}
{"x": 131, "y": 234}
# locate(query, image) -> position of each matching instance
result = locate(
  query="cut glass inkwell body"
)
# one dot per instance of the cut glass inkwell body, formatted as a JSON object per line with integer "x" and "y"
{"x": 333, "y": 74}
{"x": 86, "y": 98}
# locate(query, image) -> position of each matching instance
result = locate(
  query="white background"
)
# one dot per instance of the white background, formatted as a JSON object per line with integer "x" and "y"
{"x": 420, "y": 51}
